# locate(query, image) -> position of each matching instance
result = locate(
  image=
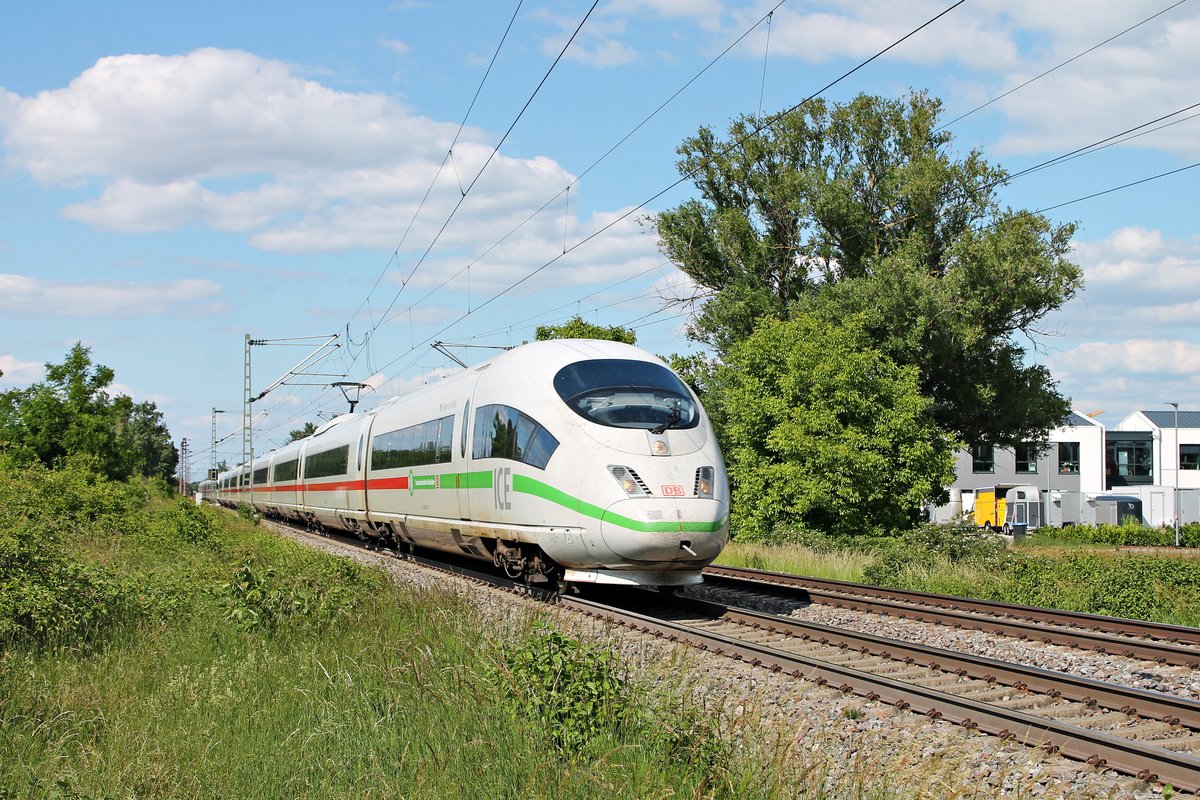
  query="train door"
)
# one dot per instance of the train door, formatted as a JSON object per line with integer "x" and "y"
{"x": 463, "y": 456}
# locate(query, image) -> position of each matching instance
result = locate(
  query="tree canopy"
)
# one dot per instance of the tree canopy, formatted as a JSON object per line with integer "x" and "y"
{"x": 71, "y": 412}
{"x": 822, "y": 432}
{"x": 303, "y": 432}
{"x": 578, "y": 328}
{"x": 862, "y": 210}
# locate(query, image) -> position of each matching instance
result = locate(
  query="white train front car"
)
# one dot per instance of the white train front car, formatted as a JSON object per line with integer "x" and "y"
{"x": 599, "y": 456}
{"x": 576, "y": 460}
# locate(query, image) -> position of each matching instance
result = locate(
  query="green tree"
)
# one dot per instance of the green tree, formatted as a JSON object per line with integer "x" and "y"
{"x": 862, "y": 210}
{"x": 71, "y": 413}
{"x": 578, "y": 328}
{"x": 308, "y": 429}
{"x": 144, "y": 439}
{"x": 823, "y": 432}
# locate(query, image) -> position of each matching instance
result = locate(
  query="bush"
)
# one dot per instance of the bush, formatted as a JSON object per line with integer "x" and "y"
{"x": 1137, "y": 587}
{"x": 576, "y": 691}
{"x": 1124, "y": 535}
{"x": 48, "y": 598}
{"x": 192, "y": 523}
{"x": 247, "y": 512}
{"x": 931, "y": 546}
{"x": 313, "y": 590}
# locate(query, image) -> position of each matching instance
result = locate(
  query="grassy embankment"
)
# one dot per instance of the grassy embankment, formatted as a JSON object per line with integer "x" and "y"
{"x": 1078, "y": 568}
{"x": 149, "y": 648}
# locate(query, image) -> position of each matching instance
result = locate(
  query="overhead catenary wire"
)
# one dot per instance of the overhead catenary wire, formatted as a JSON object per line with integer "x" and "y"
{"x": 1058, "y": 66}
{"x": 1065, "y": 157}
{"x": 1116, "y": 138}
{"x": 470, "y": 107}
{"x": 758, "y": 129}
{"x": 1049, "y": 162}
{"x": 604, "y": 156}
{"x": 491, "y": 155}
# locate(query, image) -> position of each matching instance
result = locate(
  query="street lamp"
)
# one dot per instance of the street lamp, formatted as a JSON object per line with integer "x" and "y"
{"x": 1178, "y": 542}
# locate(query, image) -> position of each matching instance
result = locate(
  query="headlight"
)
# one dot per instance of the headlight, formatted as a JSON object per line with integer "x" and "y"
{"x": 629, "y": 481}
{"x": 704, "y": 482}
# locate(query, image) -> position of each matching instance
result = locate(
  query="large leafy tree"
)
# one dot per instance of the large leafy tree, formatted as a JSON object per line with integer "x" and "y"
{"x": 71, "y": 412}
{"x": 579, "y": 328}
{"x": 862, "y": 210}
{"x": 823, "y": 432}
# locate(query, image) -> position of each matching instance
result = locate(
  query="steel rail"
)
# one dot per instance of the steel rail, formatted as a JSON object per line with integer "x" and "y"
{"x": 1171, "y": 644}
{"x": 1130, "y": 756}
{"x": 1127, "y": 699}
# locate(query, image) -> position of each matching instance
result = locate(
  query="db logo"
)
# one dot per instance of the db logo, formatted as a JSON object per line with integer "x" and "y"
{"x": 672, "y": 490}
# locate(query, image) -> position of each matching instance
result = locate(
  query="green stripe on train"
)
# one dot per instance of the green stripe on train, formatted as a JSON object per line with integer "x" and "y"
{"x": 527, "y": 485}
{"x": 483, "y": 479}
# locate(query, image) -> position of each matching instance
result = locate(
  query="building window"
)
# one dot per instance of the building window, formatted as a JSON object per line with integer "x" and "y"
{"x": 1068, "y": 458}
{"x": 1130, "y": 459}
{"x": 1189, "y": 456}
{"x": 983, "y": 458}
{"x": 1026, "y": 457}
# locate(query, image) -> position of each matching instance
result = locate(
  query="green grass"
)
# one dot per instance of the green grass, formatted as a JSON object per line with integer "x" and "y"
{"x": 841, "y": 564}
{"x": 1068, "y": 571}
{"x": 230, "y": 662}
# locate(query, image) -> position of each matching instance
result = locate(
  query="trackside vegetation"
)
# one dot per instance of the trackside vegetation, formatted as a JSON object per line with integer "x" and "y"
{"x": 153, "y": 648}
{"x": 1077, "y": 569}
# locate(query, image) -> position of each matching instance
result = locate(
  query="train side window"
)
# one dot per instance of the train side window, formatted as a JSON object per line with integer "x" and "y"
{"x": 466, "y": 421}
{"x": 285, "y": 471}
{"x": 418, "y": 445}
{"x": 328, "y": 463}
{"x": 445, "y": 439}
{"x": 504, "y": 432}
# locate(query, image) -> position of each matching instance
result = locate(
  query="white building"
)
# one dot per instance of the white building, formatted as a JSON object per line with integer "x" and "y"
{"x": 1074, "y": 462}
{"x": 1175, "y": 452}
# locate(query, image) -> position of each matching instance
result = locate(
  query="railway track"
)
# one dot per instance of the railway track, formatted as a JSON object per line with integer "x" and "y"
{"x": 1148, "y": 735}
{"x": 1152, "y": 641}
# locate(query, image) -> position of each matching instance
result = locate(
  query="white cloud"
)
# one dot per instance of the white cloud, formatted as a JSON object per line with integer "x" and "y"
{"x": 21, "y": 295}
{"x": 1141, "y": 261}
{"x": 160, "y": 119}
{"x": 239, "y": 143}
{"x": 1135, "y": 356}
{"x": 19, "y": 372}
{"x": 859, "y": 29}
{"x": 396, "y": 46}
{"x": 1137, "y": 77}
{"x": 160, "y": 400}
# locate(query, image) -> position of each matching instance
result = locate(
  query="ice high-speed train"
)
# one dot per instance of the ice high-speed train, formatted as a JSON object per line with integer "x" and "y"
{"x": 577, "y": 460}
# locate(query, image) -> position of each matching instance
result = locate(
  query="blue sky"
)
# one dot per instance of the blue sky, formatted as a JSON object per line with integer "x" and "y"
{"x": 173, "y": 176}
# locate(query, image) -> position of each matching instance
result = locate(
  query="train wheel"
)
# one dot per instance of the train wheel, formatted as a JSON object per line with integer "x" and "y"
{"x": 542, "y": 574}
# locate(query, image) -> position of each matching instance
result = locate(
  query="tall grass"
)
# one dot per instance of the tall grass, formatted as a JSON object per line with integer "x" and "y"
{"x": 846, "y": 564}
{"x": 232, "y": 663}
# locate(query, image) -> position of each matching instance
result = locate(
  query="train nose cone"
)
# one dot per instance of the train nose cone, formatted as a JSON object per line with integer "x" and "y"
{"x": 665, "y": 530}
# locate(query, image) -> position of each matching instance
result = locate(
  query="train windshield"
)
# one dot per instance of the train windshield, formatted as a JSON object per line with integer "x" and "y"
{"x": 627, "y": 394}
